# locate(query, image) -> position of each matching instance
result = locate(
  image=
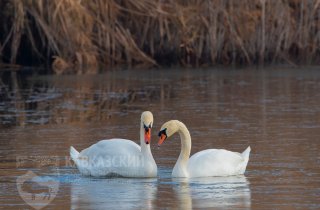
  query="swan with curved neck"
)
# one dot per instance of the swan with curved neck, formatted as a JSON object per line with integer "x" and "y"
{"x": 119, "y": 157}
{"x": 210, "y": 162}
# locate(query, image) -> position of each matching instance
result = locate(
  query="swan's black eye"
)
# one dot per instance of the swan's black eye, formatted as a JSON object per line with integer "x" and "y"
{"x": 147, "y": 127}
{"x": 164, "y": 131}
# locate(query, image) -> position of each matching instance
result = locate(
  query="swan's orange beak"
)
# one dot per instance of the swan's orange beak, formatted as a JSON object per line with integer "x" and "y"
{"x": 162, "y": 137}
{"x": 147, "y": 135}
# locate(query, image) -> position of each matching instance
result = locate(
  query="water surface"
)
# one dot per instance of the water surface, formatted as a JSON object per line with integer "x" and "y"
{"x": 275, "y": 111}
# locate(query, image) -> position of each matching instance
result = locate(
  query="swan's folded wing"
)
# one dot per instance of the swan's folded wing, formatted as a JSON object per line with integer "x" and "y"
{"x": 111, "y": 147}
{"x": 114, "y": 156}
{"x": 215, "y": 162}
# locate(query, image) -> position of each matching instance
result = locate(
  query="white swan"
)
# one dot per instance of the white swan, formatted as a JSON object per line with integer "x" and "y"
{"x": 210, "y": 162}
{"x": 119, "y": 157}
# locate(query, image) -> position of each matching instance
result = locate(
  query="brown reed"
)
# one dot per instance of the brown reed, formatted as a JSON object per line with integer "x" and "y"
{"x": 80, "y": 36}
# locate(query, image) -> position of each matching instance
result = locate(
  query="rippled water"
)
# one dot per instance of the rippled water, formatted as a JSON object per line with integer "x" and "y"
{"x": 275, "y": 111}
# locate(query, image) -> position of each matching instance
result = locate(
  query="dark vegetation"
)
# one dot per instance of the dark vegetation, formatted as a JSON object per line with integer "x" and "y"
{"x": 82, "y": 36}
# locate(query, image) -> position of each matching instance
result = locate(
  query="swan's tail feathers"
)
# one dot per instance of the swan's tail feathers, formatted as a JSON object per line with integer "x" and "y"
{"x": 74, "y": 154}
{"x": 246, "y": 153}
{"x": 245, "y": 156}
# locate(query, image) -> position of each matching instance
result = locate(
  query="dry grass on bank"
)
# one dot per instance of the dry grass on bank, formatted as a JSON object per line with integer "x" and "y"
{"x": 85, "y": 34}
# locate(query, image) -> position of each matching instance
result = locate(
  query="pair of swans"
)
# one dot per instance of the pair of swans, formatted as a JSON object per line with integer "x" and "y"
{"x": 121, "y": 157}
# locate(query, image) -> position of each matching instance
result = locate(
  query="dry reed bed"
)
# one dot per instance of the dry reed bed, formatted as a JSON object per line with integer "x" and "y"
{"x": 85, "y": 34}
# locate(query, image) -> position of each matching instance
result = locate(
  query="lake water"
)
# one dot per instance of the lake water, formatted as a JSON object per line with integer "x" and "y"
{"x": 275, "y": 111}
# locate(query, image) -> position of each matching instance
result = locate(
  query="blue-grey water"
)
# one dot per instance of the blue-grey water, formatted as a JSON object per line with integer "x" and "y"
{"x": 276, "y": 111}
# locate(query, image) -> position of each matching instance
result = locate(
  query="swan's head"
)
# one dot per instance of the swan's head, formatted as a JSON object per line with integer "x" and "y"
{"x": 147, "y": 122}
{"x": 167, "y": 130}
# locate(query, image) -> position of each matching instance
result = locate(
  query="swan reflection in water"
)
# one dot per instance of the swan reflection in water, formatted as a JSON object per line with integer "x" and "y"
{"x": 210, "y": 192}
{"x": 113, "y": 193}
{"x": 188, "y": 193}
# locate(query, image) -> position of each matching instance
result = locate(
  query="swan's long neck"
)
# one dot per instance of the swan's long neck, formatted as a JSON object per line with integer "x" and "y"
{"x": 180, "y": 168}
{"x": 145, "y": 148}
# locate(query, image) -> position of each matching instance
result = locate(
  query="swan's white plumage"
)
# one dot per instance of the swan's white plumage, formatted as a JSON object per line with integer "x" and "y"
{"x": 73, "y": 153}
{"x": 117, "y": 157}
{"x": 216, "y": 162}
{"x": 114, "y": 157}
{"x": 210, "y": 162}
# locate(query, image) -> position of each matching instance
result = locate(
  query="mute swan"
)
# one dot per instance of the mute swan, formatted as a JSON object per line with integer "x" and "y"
{"x": 119, "y": 157}
{"x": 210, "y": 162}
